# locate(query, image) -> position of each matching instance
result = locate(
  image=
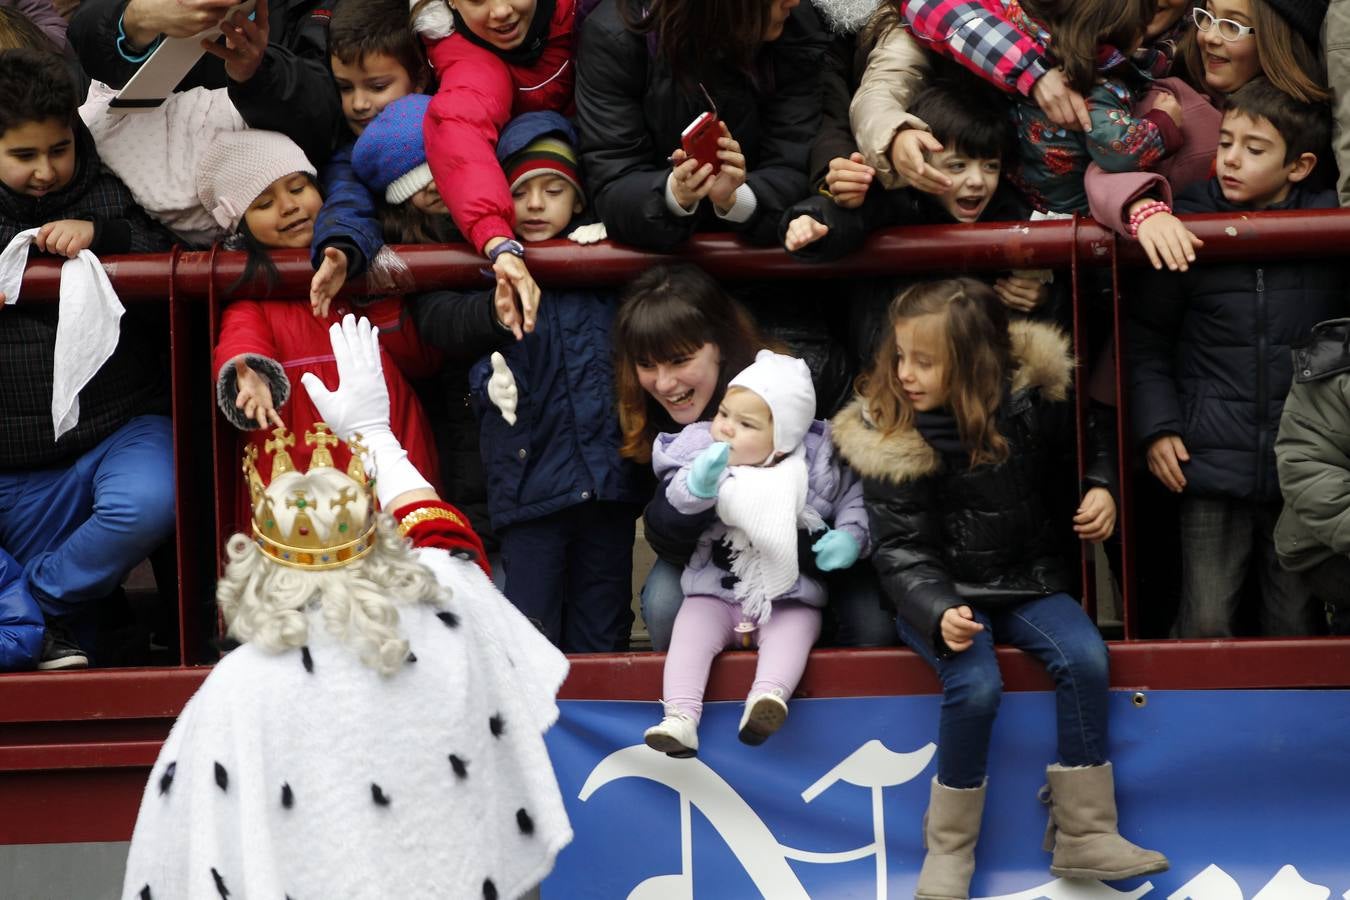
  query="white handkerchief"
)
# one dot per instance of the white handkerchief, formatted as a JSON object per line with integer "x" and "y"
{"x": 86, "y": 332}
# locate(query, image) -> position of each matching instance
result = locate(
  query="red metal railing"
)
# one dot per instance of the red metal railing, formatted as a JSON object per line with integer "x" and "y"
{"x": 84, "y": 741}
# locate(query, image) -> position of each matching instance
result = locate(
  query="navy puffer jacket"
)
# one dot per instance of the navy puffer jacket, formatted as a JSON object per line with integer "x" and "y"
{"x": 564, "y": 447}
{"x": 1209, "y": 353}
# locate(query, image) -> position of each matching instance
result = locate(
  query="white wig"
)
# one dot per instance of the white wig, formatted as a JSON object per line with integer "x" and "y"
{"x": 264, "y": 602}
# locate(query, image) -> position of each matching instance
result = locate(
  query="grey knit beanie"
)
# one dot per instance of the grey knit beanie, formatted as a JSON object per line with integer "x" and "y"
{"x": 239, "y": 166}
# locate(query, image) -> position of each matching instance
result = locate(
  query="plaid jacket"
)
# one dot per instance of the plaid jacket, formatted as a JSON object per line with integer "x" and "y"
{"x": 980, "y": 35}
{"x": 132, "y": 382}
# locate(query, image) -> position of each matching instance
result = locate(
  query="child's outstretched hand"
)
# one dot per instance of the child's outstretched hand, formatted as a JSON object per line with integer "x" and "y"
{"x": 707, "y": 468}
{"x": 1096, "y": 516}
{"x": 255, "y": 395}
{"x": 65, "y": 237}
{"x": 1165, "y": 456}
{"x": 802, "y": 231}
{"x": 327, "y": 281}
{"x": 849, "y": 179}
{"x": 1167, "y": 241}
{"x": 958, "y": 627}
{"x": 1061, "y": 103}
{"x": 909, "y": 155}
{"x": 835, "y": 550}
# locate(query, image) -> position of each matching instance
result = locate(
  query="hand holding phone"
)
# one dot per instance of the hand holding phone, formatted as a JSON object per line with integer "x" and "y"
{"x": 699, "y": 140}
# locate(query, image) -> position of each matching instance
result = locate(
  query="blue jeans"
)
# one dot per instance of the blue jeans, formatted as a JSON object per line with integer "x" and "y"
{"x": 1056, "y": 631}
{"x": 572, "y": 572}
{"x": 79, "y": 529}
{"x": 855, "y": 601}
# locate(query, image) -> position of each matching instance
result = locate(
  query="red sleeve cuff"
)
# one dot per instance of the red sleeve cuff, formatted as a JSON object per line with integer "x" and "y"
{"x": 435, "y": 523}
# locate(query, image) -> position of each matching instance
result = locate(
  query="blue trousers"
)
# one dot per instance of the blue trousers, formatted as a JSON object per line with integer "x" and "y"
{"x": 572, "y": 572}
{"x": 1056, "y": 631}
{"x": 855, "y": 602}
{"x": 78, "y": 530}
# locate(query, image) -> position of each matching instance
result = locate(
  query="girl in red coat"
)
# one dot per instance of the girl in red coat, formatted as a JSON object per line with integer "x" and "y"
{"x": 259, "y": 185}
{"x": 494, "y": 61}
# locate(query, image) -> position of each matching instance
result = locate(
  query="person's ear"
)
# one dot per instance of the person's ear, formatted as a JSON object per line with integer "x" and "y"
{"x": 577, "y": 206}
{"x": 1302, "y": 167}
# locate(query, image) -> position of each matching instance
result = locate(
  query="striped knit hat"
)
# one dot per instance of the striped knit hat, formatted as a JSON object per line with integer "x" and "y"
{"x": 539, "y": 143}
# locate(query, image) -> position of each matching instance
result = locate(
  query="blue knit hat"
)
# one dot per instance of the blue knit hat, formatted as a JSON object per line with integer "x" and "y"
{"x": 390, "y": 156}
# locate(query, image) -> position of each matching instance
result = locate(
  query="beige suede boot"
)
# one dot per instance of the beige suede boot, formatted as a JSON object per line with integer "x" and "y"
{"x": 1082, "y": 829}
{"x": 950, "y": 829}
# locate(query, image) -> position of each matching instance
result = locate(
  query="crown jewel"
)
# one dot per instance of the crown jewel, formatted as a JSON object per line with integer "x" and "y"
{"x": 306, "y": 522}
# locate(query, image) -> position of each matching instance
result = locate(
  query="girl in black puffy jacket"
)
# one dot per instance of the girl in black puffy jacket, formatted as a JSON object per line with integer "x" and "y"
{"x": 961, "y": 432}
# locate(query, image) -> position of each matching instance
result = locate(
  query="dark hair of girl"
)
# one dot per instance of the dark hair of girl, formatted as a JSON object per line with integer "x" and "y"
{"x": 977, "y": 360}
{"x": 669, "y": 312}
{"x": 688, "y": 32}
{"x": 404, "y": 223}
{"x": 1078, "y": 27}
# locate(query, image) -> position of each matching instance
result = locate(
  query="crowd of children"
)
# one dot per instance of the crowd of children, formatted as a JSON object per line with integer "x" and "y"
{"x": 925, "y": 503}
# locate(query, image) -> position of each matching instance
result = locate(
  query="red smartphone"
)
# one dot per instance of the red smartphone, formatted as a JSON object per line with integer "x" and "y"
{"x": 699, "y": 140}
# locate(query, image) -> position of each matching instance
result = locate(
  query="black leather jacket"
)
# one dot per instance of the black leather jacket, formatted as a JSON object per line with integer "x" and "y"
{"x": 994, "y": 535}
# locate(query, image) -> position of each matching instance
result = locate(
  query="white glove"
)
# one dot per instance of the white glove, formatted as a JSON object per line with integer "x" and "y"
{"x": 501, "y": 388}
{"x": 589, "y": 234}
{"x": 360, "y": 406}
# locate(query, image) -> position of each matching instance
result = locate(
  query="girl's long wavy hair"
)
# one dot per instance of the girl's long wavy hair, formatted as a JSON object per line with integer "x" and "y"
{"x": 1287, "y": 60}
{"x": 977, "y": 360}
{"x": 1078, "y": 27}
{"x": 667, "y": 312}
{"x": 689, "y": 33}
{"x": 264, "y": 602}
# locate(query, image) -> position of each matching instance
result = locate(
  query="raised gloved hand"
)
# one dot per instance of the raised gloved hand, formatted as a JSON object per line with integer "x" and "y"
{"x": 707, "y": 469}
{"x": 359, "y": 407}
{"x": 835, "y": 550}
{"x": 501, "y": 388}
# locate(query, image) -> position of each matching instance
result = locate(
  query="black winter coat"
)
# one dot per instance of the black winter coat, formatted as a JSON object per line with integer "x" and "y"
{"x": 993, "y": 536}
{"x": 1209, "y": 353}
{"x": 630, "y": 112}
{"x": 292, "y": 91}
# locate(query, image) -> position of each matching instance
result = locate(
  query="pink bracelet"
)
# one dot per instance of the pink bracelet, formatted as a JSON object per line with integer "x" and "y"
{"x": 1143, "y": 213}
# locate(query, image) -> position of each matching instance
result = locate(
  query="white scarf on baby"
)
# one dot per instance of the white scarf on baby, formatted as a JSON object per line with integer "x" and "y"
{"x": 87, "y": 330}
{"x": 762, "y": 507}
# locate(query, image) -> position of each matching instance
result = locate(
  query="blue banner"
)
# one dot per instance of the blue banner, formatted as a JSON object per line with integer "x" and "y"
{"x": 1247, "y": 792}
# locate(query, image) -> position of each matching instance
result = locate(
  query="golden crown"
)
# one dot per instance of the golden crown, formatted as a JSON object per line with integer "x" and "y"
{"x": 278, "y": 505}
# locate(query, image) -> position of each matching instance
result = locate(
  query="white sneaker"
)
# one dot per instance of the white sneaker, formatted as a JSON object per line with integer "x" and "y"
{"x": 676, "y": 735}
{"x": 764, "y": 714}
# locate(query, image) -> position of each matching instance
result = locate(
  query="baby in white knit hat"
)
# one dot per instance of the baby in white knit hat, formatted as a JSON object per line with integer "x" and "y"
{"x": 783, "y": 510}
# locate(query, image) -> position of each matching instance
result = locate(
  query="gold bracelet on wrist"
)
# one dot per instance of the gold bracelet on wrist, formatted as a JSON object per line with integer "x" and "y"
{"x": 427, "y": 514}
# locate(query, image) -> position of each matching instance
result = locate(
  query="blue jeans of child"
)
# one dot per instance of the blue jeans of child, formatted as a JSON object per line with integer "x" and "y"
{"x": 1056, "y": 631}
{"x": 78, "y": 530}
{"x": 572, "y": 572}
{"x": 855, "y": 601}
{"x": 1220, "y": 540}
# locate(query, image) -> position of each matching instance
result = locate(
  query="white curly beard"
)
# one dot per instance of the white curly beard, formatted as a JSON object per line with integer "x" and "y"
{"x": 846, "y": 16}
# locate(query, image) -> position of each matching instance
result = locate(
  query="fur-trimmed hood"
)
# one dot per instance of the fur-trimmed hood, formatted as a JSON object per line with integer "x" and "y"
{"x": 1042, "y": 361}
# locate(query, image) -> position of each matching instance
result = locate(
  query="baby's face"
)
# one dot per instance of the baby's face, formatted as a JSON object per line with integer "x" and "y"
{"x": 544, "y": 207}
{"x": 745, "y": 422}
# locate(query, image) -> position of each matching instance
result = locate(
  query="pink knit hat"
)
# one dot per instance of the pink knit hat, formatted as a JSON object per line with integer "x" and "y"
{"x": 239, "y": 166}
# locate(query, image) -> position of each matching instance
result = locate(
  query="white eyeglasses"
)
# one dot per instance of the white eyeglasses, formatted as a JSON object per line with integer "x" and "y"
{"x": 1228, "y": 29}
